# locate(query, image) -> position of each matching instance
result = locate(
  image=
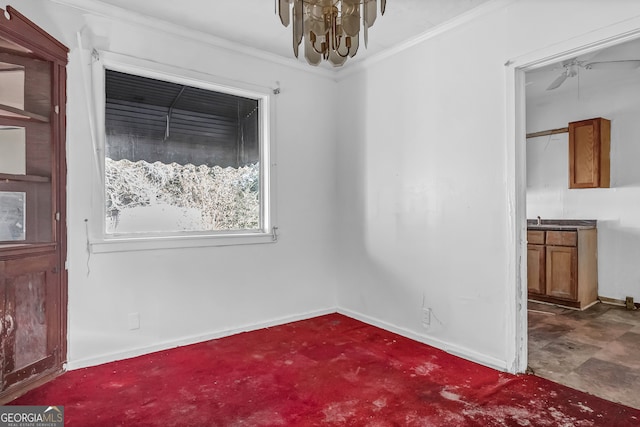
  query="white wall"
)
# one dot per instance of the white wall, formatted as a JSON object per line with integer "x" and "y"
{"x": 185, "y": 295}
{"x": 407, "y": 203}
{"x": 429, "y": 223}
{"x": 617, "y": 209}
{"x": 424, "y": 162}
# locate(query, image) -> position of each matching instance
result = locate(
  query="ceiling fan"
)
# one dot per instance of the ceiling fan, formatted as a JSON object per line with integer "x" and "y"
{"x": 571, "y": 68}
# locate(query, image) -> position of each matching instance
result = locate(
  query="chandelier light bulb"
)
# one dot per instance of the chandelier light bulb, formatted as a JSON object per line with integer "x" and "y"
{"x": 330, "y": 29}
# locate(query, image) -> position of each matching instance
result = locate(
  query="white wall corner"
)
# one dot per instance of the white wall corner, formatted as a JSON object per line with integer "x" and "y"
{"x": 188, "y": 340}
{"x": 454, "y": 349}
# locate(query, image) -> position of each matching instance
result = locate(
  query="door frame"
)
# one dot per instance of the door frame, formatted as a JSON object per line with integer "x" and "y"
{"x": 517, "y": 163}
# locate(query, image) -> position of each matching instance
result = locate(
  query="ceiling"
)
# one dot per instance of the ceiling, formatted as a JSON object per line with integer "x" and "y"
{"x": 254, "y": 23}
{"x": 538, "y": 80}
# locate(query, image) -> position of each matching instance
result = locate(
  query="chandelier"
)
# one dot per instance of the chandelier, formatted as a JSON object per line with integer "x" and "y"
{"x": 330, "y": 28}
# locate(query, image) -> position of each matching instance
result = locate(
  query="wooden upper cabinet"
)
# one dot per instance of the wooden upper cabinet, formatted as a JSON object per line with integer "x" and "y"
{"x": 589, "y": 146}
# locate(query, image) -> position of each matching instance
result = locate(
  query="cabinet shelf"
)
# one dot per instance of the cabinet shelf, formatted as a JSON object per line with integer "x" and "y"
{"x": 27, "y": 178}
{"x": 16, "y": 113}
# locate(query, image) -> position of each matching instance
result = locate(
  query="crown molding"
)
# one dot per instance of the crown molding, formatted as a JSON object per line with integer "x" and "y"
{"x": 114, "y": 12}
{"x": 484, "y": 9}
{"x": 99, "y": 8}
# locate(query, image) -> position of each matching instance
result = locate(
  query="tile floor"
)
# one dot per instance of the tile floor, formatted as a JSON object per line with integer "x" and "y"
{"x": 596, "y": 351}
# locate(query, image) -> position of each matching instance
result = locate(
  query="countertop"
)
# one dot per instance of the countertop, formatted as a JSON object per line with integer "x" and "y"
{"x": 562, "y": 224}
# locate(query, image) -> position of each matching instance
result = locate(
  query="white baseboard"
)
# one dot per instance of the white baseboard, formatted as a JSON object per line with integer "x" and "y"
{"x": 454, "y": 349}
{"x": 194, "y": 339}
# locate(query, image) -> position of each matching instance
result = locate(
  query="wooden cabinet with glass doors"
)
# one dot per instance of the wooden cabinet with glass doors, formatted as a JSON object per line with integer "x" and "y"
{"x": 32, "y": 205}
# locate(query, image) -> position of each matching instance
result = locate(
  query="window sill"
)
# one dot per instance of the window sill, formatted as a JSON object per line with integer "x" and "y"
{"x": 126, "y": 244}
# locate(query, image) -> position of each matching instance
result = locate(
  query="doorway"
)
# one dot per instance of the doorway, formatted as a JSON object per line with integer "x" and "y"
{"x": 583, "y": 349}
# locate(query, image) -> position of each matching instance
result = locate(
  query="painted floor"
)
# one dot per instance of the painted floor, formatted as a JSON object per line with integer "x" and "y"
{"x": 596, "y": 351}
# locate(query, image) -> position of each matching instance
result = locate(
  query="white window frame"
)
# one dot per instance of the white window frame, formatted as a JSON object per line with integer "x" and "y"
{"x": 101, "y": 241}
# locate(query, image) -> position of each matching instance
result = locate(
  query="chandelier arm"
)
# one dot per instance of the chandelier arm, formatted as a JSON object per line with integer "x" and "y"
{"x": 313, "y": 39}
{"x": 348, "y": 45}
{"x": 335, "y": 39}
{"x": 341, "y": 55}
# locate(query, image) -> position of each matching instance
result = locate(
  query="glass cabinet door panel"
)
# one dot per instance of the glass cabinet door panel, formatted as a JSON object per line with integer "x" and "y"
{"x": 25, "y": 86}
{"x": 12, "y": 216}
{"x": 38, "y": 213}
{"x": 12, "y": 150}
{"x": 12, "y": 85}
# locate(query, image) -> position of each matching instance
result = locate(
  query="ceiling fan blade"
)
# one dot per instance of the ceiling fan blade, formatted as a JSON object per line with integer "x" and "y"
{"x": 557, "y": 82}
{"x": 627, "y": 64}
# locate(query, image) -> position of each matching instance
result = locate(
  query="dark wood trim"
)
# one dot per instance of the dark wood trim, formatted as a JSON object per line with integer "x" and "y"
{"x": 22, "y": 374}
{"x": 60, "y": 173}
{"x": 24, "y": 32}
{"x": 13, "y": 392}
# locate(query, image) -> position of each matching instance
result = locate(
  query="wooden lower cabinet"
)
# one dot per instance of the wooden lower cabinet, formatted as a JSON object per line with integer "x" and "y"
{"x": 31, "y": 342}
{"x": 564, "y": 270}
{"x": 561, "y": 272}
{"x": 536, "y": 269}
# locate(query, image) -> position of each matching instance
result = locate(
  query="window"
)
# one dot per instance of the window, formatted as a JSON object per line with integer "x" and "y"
{"x": 183, "y": 159}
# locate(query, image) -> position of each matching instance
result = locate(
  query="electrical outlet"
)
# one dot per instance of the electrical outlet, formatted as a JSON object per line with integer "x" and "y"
{"x": 426, "y": 317}
{"x": 134, "y": 321}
